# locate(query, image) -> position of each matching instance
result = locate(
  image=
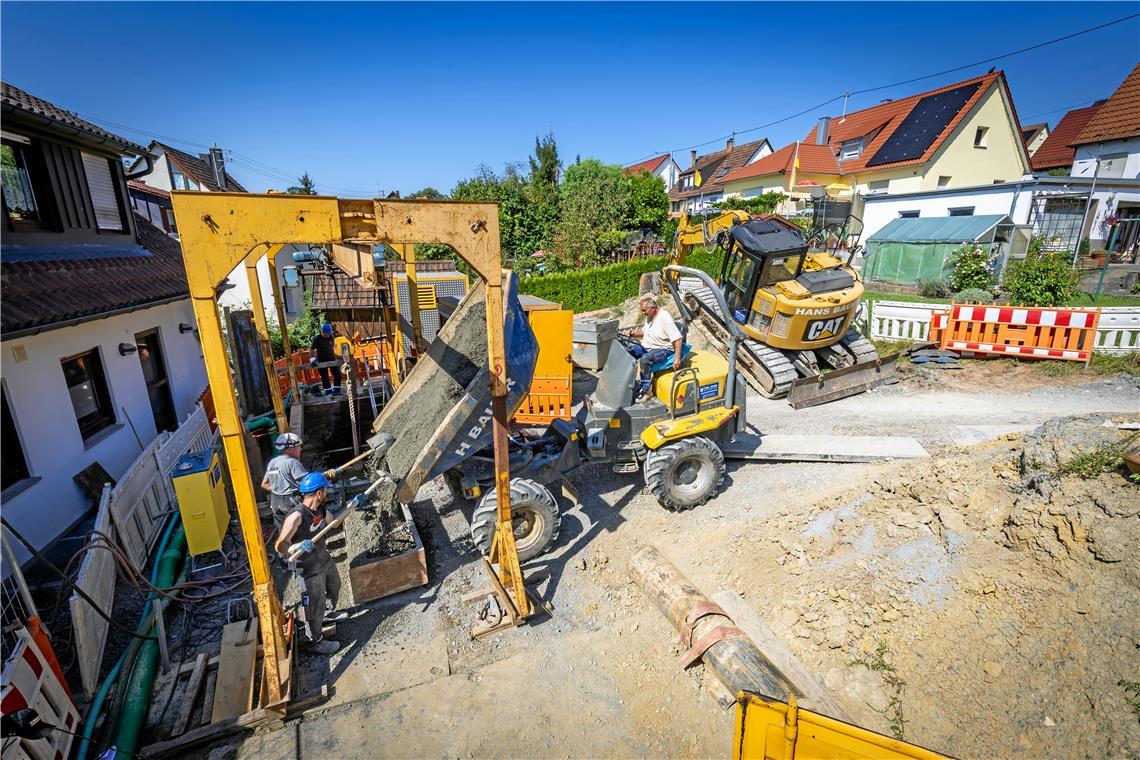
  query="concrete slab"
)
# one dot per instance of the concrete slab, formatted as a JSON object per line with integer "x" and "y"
{"x": 787, "y": 447}
{"x": 968, "y": 435}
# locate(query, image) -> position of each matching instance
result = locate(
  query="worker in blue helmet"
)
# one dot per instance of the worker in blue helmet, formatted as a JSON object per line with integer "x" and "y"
{"x": 324, "y": 350}
{"x": 314, "y": 570}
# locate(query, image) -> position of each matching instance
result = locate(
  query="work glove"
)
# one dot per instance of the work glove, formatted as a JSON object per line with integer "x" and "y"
{"x": 312, "y": 361}
{"x": 303, "y": 547}
{"x": 330, "y": 474}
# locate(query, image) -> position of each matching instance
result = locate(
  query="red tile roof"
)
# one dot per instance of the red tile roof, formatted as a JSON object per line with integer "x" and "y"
{"x": 142, "y": 187}
{"x": 650, "y": 166}
{"x": 1057, "y": 150}
{"x": 47, "y": 285}
{"x": 715, "y": 168}
{"x": 814, "y": 159}
{"x": 879, "y": 122}
{"x": 21, "y": 103}
{"x": 1119, "y": 117}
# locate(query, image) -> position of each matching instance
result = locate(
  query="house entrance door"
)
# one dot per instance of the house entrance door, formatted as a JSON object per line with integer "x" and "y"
{"x": 157, "y": 383}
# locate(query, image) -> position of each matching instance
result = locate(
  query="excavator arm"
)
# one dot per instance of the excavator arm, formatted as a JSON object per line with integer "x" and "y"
{"x": 704, "y": 232}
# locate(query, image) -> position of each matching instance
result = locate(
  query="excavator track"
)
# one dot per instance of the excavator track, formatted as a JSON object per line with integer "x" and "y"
{"x": 768, "y": 370}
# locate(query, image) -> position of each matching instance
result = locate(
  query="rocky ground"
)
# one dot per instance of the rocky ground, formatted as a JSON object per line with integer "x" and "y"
{"x": 977, "y": 602}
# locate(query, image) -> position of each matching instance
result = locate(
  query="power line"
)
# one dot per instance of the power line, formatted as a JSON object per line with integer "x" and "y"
{"x": 1064, "y": 108}
{"x": 1037, "y": 46}
{"x": 155, "y": 135}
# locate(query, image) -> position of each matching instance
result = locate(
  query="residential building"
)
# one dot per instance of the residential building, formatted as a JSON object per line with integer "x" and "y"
{"x": 174, "y": 169}
{"x": 1056, "y": 153}
{"x": 662, "y": 166}
{"x": 154, "y": 204}
{"x": 1053, "y": 207}
{"x": 1109, "y": 145}
{"x": 702, "y": 184}
{"x": 960, "y": 135}
{"x": 97, "y": 330}
{"x": 1033, "y": 135}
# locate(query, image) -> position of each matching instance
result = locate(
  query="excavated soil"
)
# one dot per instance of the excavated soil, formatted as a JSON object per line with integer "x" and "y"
{"x": 980, "y": 603}
{"x": 436, "y": 383}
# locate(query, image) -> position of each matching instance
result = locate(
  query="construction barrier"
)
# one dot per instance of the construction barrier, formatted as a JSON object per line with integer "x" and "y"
{"x": 30, "y": 681}
{"x": 374, "y": 356}
{"x": 1023, "y": 331}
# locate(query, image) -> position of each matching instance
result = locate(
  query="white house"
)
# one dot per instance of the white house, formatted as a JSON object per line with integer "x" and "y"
{"x": 174, "y": 169}
{"x": 97, "y": 332}
{"x": 1109, "y": 145}
{"x": 662, "y": 166}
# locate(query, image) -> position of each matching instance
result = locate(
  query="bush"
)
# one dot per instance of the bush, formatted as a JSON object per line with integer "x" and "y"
{"x": 974, "y": 295}
{"x": 593, "y": 288}
{"x": 1043, "y": 280}
{"x": 938, "y": 287}
{"x": 973, "y": 268}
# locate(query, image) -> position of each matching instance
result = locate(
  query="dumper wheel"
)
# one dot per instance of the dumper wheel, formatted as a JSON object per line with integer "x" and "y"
{"x": 534, "y": 514}
{"x": 685, "y": 474}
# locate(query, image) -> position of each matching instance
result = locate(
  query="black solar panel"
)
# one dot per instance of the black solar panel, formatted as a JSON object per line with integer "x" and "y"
{"x": 923, "y": 125}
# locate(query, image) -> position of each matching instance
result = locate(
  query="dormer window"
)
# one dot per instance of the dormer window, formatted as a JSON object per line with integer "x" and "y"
{"x": 181, "y": 182}
{"x": 19, "y": 198}
{"x": 850, "y": 149}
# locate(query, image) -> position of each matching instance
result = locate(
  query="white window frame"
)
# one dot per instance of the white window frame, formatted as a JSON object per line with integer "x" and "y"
{"x": 969, "y": 211}
{"x": 910, "y": 213}
{"x": 981, "y": 135}
{"x": 944, "y": 181}
{"x": 849, "y": 149}
{"x": 884, "y": 187}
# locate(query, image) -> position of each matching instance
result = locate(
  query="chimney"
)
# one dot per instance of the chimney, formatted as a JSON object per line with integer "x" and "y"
{"x": 824, "y": 132}
{"x": 692, "y": 159}
{"x": 729, "y": 143}
{"x": 885, "y": 100}
{"x": 218, "y": 164}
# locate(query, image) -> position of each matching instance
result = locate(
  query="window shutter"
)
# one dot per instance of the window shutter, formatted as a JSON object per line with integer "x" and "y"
{"x": 103, "y": 197}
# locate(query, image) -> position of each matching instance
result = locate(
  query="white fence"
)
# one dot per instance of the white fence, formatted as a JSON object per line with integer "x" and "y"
{"x": 131, "y": 514}
{"x": 1118, "y": 331}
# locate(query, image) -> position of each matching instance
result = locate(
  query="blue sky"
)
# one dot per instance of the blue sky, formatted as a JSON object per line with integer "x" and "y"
{"x": 395, "y": 97}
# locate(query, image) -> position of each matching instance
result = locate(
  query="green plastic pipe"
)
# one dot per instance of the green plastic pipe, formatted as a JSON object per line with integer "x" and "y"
{"x": 141, "y": 684}
{"x": 143, "y": 627}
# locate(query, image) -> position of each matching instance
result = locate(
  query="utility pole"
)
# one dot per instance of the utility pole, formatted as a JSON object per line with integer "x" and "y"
{"x": 1085, "y": 216}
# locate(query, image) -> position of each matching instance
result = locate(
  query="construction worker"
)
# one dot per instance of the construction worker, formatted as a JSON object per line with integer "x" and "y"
{"x": 324, "y": 350}
{"x": 314, "y": 570}
{"x": 659, "y": 337}
{"x": 283, "y": 476}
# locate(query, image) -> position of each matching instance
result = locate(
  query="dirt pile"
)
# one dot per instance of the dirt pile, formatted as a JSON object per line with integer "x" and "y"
{"x": 436, "y": 383}
{"x": 984, "y": 602}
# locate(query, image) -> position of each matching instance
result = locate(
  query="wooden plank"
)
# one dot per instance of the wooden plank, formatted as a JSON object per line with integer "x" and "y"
{"x": 190, "y": 696}
{"x": 816, "y": 696}
{"x": 233, "y": 694}
{"x": 97, "y": 579}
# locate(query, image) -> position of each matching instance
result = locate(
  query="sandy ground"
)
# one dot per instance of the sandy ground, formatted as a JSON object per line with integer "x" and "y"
{"x": 599, "y": 677}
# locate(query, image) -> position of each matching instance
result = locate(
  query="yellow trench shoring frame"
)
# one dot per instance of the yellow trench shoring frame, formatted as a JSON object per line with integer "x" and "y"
{"x": 220, "y": 231}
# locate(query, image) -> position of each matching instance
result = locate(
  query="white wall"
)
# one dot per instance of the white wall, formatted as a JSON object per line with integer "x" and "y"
{"x": 160, "y": 175}
{"x": 40, "y": 404}
{"x": 1084, "y": 163}
{"x": 238, "y": 296}
{"x": 668, "y": 173}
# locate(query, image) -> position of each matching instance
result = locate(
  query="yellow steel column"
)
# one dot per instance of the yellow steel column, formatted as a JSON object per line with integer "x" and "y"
{"x": 263, "y": 334}
{"x": 232, "y": 430}
{"x": 408, "y": 251}
{"x": 279, "y": 303}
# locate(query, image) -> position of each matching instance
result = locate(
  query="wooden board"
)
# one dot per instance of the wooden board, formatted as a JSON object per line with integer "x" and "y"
{"x": 816, "y": 696}
{"x": 97, "y": 579}
{"x": 91, "y": 480}
{"x": 190, "y": 695}
{"x": 233, "y": 693}
{"x": 390, "y": 575}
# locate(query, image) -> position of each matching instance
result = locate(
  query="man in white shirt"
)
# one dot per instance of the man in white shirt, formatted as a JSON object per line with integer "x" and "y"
{"x": 659, "y": 337}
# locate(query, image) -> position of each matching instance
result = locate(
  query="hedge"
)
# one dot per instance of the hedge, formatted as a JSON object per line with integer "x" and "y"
{"x": 600, "y": 287}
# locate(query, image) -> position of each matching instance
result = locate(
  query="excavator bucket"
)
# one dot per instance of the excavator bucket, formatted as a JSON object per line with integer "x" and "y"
{"x": 841, "y": 383}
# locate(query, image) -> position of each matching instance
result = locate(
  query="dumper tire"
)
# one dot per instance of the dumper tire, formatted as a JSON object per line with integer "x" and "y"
{"x": 685, "y": 474}
{"x": 534, "y": 512}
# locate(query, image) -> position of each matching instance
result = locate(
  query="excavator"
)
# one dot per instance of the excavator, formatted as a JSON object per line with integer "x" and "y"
{"x": 795, "y": 306}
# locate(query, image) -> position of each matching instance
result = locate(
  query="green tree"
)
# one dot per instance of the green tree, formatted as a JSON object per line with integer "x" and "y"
{"x": 596, "y": 206}
{"x": 650, "y": 203}
{"x": 301, "y": 330}
{"x": 428, "y": 192}
{"x": 542, "y": 194}
{"x": 509, "y": 191}
{"x": 760, "y": 204}
{"x": 304, "y": 186}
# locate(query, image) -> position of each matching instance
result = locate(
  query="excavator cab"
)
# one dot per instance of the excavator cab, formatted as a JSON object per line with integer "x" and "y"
{"x": 758, "y": 254}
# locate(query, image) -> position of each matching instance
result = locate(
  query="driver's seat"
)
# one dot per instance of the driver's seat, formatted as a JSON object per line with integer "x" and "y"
{"x": 667, "y": 362}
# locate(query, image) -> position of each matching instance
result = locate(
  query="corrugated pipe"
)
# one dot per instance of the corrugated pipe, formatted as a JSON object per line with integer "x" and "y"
{"x": 141, "y": 683}
{"x": 144, "y": 625}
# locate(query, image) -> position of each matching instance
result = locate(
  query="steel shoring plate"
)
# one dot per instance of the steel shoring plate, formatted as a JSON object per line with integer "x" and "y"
{"x": 786, "y": 447}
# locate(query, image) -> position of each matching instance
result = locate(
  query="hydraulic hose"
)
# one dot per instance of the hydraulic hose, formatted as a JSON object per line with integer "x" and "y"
{"x": 141, "y": 683}
{"x": 144, "y": 625}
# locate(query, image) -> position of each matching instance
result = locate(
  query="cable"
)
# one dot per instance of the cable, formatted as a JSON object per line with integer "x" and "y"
{"x": 906, "y": 81}
{"x": 156, "y": 135}
{"x": 63, "y": 577}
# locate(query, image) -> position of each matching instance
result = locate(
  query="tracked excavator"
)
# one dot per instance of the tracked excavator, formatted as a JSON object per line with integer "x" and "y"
{"x": 796, "y": 308}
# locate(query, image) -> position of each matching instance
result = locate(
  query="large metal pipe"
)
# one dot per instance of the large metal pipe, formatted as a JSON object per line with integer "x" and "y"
{"x": 735, "y": 661}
